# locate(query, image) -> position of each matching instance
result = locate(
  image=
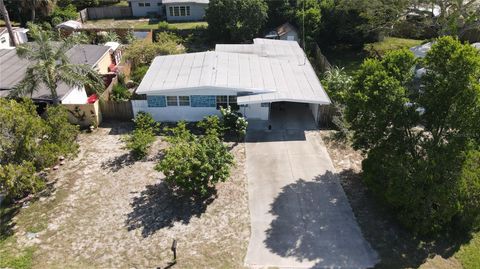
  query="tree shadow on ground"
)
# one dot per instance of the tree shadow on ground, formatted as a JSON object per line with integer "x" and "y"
{"x": 118, "y": 127}
{"x": 117, "y": 163}
{"x": 313, "y": 223}
{"x": 396, "y": 246}
{"x": 158, "y": 207}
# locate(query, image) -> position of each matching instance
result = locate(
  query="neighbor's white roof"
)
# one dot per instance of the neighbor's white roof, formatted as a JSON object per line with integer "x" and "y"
{"x": 420, "y": 51}
{"x": 70, "y": 24}
{"x": 268, "y": 71}
{"x": 113, "y": 45}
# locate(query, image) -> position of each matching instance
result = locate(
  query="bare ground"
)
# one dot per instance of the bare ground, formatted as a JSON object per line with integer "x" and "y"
{"x": 108, "y": 211}
{"x": 397, "y": 247}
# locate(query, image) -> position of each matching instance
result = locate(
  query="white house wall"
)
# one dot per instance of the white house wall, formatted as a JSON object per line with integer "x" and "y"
{"x": 76, "y": 96}
{"x": 197, "y": 12}
{"x": 315, "y": 111}
{"x": 138, "y": 11}
{"x": 4, "y": 41}
{"x": 174, "y": 113}
{"x": 255, "y": 111}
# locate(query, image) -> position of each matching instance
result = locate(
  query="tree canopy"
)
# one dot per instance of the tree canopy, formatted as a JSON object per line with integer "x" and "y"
{"x": 235, "y": 20}
{"x": 420, "y": 135}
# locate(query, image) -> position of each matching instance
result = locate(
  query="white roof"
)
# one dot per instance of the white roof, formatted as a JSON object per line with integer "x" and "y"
{"x": 70, "y": 24}
{"x": 185, "y": 1}
{"x": 420, "y": 51}
{"x": 266, "y": 71}
{"x": 113, "y": 45}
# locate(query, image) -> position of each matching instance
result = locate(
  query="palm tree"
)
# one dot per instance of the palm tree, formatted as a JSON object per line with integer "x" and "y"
{"x": 4, "y": 12}
{"x": 50, "y": 66}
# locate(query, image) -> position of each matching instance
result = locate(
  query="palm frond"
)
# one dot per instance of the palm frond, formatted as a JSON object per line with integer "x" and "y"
{"x": 28, "y": 85}
{"x": 80, "y": 75}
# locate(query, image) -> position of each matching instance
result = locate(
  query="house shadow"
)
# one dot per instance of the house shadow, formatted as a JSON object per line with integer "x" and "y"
{"x": 158, "y": 207}
{"x": 310, "y": 224}
{"x": 276, "y": 135}
{"x": 314, "y": 224}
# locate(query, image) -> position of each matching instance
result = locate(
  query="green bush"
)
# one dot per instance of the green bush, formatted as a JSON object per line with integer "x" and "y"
{"x": 19, "y": 180}
{"x": 139, "y": 73}
{"x": 120, "y": 93}
{"x": 234, "y": 123}
{"x": 29, "y": 141}
{"x": 194, "y": 164}
{"x": 142, "y": 138}
{"x": 138, "y": 143}
{"x": 144, "y": 121}
{"x": 66, "y": 13}
{"x": 211, "y": 125}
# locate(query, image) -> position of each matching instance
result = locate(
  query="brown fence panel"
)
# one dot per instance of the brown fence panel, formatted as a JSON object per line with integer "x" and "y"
{"x": 116, "y": 110}
{"x": 326, "y": 113}
{"x": 321, "y": 62}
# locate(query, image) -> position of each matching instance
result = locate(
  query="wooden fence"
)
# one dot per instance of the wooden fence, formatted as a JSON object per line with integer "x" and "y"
{"x": 321, "y": 62}
{"x": 107, "y": 12}
{"x": 116, "y": 110}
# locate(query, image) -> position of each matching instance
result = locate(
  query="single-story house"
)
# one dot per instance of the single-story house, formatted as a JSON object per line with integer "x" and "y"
{"x": 146, "y": 8}
{"x": 13, "y": 69}
{"x": 285, "y": 31}
{"x": 20, "y": 36}
{"x": 185, "y": 10}
{"x": 251, "y": 77}
{"x": 173, "y": 10}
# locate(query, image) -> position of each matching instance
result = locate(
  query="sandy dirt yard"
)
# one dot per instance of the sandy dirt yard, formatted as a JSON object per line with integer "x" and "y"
{"x": 106, "y": 211}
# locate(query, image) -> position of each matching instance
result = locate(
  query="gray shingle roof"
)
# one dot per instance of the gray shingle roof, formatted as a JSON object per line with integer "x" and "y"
{"x": 13, "y": 68}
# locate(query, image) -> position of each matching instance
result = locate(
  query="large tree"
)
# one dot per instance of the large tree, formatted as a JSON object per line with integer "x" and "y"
{"x": 51, "y": 66}
{"x": 420, "y": 135}
{"x": 236, "y": 20}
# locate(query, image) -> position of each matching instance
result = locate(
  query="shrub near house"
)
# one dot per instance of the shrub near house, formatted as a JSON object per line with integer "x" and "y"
{"x": 29, "y": 143}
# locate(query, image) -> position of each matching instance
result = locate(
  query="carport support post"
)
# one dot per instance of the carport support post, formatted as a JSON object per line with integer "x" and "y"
{"x": 174, "y": 250}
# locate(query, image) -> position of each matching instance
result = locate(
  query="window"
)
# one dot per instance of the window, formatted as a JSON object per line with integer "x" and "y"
{"x": 222, "y": 101}
{"x": 232, "y": 102}
{"x": 147, "y": 4}
{"x": 159, "y": 4}
{"x": 172, "y": 101}
{"x": 141, "y": 4}
{"x": 184, "y": 100}
{"x": 171, "y": 10}
{"x": 188, "y": 10}
{"x": 225, "y": 101}
{"x": 265, "y": 105}
{"x": 182, "y": 11}
{"x": 176, "y": 11}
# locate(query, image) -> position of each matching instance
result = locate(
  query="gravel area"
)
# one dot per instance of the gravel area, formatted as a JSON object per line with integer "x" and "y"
{"x": 108, "y": 211}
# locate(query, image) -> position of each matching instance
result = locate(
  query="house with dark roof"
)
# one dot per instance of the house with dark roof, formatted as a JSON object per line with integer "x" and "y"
{"x": 285, "y": 31}
{"x": 13, "y": 70}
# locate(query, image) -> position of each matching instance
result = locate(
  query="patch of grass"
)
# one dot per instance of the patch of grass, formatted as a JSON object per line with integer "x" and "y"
{"x": 2, "y": 23}
{"x": 10, "y": 256}
{"x": 346, "y": 58}
{"x": 469, "y": 254}
{"x": 390, "y": 43}
{"x": 143, "y": 24}
{"x": 188, "y": 25}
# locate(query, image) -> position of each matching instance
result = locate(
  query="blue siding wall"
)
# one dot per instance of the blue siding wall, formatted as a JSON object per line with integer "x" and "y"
{"x": 203, "y": 100}
{"x": 156, "y": 101}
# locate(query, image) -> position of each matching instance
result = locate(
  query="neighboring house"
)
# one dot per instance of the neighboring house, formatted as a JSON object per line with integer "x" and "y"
{"x": 13, "y": 68}
{"x": 146, "y": 8}
{"x": 20, "y": 35}
{"x": 421, "y": 51}
{"x": 185, "y": 10}
{"x": 284, "y": 32}
{"x": 252, "y": 77}
{"x": 173, "y": 10}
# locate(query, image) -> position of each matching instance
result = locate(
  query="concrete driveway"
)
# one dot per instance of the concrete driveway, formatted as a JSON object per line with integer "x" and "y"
{"x": 300, "y": 215}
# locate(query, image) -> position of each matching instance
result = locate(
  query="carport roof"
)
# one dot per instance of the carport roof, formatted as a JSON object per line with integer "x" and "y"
{"x": 266, "y": 71}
